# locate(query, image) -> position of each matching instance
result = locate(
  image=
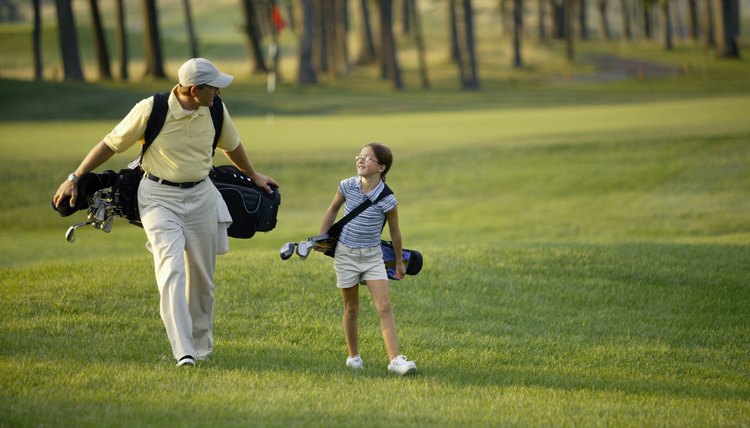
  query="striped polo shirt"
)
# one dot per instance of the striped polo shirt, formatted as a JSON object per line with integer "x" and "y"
{"x": 363, "y": 231}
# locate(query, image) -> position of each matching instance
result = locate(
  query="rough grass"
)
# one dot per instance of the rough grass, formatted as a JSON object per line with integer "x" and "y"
{"x": 586, "y": 252}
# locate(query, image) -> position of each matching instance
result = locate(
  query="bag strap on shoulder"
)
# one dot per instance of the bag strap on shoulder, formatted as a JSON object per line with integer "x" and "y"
{"x": 339, "y": 225}
{"x": 159, "y": 116}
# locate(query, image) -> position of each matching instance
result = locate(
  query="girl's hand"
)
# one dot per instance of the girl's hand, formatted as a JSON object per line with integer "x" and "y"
{"x": 400, "y": 269}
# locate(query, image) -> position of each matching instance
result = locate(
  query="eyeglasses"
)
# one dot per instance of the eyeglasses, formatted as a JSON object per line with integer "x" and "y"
{"x": 366, "y": 158}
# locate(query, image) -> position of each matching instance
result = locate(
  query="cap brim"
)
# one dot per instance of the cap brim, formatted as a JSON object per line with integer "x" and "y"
{"x": 222, "y": 81}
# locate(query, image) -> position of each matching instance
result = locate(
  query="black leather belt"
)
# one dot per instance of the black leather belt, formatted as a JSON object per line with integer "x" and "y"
{"x": 185, "y": 185}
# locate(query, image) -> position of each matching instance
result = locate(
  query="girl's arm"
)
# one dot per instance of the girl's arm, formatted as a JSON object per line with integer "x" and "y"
{"x": 331, "y": 212}
{"x": 395, "y": 231}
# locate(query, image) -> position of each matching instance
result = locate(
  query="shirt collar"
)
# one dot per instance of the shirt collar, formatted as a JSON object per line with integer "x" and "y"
{"x": 373, "y": 194}
{"x": 175, "y": 108}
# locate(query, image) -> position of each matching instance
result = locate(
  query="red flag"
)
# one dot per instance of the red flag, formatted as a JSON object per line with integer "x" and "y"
{"x": 277, "y": 18}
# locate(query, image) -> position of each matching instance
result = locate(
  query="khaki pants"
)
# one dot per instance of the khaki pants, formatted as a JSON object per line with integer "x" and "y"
{"x": 181, "y": 226}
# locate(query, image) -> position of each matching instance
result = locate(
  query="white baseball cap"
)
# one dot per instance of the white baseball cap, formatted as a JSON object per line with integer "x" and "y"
{"x": 200, "y": 71}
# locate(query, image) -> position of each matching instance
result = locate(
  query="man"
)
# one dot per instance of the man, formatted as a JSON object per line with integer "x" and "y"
{"x": 180, "y": 208}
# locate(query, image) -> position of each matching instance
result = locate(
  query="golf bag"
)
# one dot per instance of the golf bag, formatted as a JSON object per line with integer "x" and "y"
{"x": 251, "y": 207}
{"x": 327, "y": 242}
{"x": 120, "y": 198}
{"x": 412, "y": 260}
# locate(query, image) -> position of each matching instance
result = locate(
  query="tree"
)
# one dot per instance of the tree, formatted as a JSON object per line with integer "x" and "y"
{"x": 68, "y": 41}
{"x": 708, "y": 23}
{"x": 517, "y": 28}
{"x": 152, "y": 41}
{"x": 626, "y": 22}
{"x": 367, "y": 48}
{"x": 666, "y": 23}
{"x": 36, "y": 39}
{"x": 542, "y": 18}
{"x": 693, "y": 26}
{"x": 467, "y": 63}
{"x": 100, "y": 44}
{"x": 334, "y": 30}
{"x": 389, "y": 59}
{"x": 558, "y": 19}
{"x": 252, "y": 31}
{"x": 568, "y": 29}
{"x": 602, "y": 6}
{"x": 416, "y": 26}
{"x": 306, "y": 71}
{"x": 122, "y": 39}
{"x": 192, "y": 39}
{"x": 727, "y": 28}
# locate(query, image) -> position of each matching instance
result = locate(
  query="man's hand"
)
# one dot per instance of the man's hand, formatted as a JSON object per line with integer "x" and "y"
{"x": 67, "y": 188}
{"x": 263, "y": 181}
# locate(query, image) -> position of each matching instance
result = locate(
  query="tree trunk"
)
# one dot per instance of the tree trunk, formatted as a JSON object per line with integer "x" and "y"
{"x": 453, "y": 32}
{"x": 708, "y": 24}
{"x": 306, "y": 72}
{"x": 36, "y": 39}
{"x": 253, "y": 37}
{"x": 416, "y": 21}
{"x": 192, "y": 39}
{"x": 68, "y": 41}
{"x": 122, "y": 39}
{"x": 582, "y": 18}
{"x": 341, "y": 46}
{"x": 647, "y": 29}
{"x": 627, "y": 30}
{"x": 606, "y": 34}
{"x": 727, "y": 28}
{"x": 568, "y": 29}
{"x": 558, "y": 19}
{"x": 693, "y": 22}
{"x": 542, "y": 18}
{"x": 152, "y": 41}
{"x": 100, "y": 44}
{"x": 467, "y": 47}
{"x": 390, "y": 67}
{"x": 517, "y": 27}
{"x": 367, "y": 53}
{"x": 666, "y": 24}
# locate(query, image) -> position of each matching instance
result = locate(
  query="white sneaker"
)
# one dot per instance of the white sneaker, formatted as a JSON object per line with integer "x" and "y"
{"x": 355, "y": 362}
{"x": 186, "y": 361}
{"x": 400, "y": 365}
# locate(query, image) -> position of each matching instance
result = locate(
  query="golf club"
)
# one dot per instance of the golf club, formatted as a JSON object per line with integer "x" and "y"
{"x": 70, "y": 235}
{"x": 304, "y": 248}
{"x": 287, "y": 250}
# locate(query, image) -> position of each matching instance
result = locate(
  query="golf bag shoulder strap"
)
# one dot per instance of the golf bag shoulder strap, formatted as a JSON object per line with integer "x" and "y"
{"x": 339, "y": 225}
{"x": 159, "y": 116}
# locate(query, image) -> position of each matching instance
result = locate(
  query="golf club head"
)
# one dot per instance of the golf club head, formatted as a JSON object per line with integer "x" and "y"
{"x": 107, "y": 225}
{"x": 70, "y": 235}
{"x": 304, "y": 248}
{"x": 287, "y": 250}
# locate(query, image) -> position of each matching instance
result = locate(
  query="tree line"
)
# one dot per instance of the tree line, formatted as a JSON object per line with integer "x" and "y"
{"x": 323, "y": 27}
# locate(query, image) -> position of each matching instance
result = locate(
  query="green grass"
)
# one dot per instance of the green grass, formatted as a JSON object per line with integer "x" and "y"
{"x": 585, "y": 246}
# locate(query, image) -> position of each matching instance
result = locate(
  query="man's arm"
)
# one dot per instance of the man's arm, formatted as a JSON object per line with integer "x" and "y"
{"x": 96, "y": 157}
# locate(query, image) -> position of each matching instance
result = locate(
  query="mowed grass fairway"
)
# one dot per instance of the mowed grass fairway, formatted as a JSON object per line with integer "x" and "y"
{"x": 585, "y": 265}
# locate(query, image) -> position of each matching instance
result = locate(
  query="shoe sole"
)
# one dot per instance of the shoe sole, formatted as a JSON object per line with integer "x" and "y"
{"x": 411, "y": 371}
{"x": 186, "y": 362}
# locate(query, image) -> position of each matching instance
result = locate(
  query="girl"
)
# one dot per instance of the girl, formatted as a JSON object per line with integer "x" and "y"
{"x": 358, "y": 258}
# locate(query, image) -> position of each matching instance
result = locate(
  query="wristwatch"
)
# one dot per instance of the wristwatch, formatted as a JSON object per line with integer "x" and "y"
{"x": 73, "y": 177}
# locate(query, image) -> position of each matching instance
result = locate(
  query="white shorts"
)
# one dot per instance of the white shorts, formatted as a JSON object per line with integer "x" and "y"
{"x": 356, "y": 265}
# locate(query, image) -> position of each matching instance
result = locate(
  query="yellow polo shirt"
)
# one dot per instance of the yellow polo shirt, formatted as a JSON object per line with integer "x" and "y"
{"x": 182, "y": 150}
